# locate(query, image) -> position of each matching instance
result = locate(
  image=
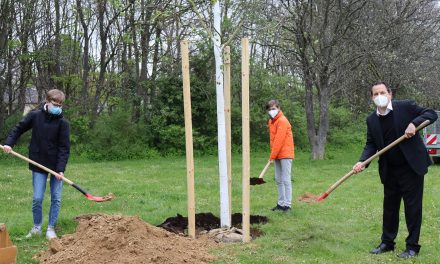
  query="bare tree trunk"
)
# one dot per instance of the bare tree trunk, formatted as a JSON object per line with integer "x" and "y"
{"x": 101, "y": 6}
{"x": 104, "y": 60}
{"x": 5, "y": 11}
{"x": 86, "y": 65}
{"x": 57, "y": 48}
{"x": 25, "y": 63}
{"x": 154, "y": 91}
{"x": 310, "y": 115}
{"x": 142, "y": 91}
{"x": 135, "y": 75}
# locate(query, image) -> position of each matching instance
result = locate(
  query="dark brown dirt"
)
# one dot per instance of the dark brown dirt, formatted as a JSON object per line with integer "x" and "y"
{"x": 256, "y": 181}
{"x": 101, "y": 238}
{"x": 208, "y": 221}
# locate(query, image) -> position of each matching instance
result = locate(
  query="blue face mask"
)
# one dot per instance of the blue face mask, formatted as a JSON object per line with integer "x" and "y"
{"x": 55, "y": 110}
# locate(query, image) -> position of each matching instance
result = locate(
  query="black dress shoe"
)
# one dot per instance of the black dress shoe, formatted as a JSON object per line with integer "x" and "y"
{"x": 382, "y": 248}
{"x": 278, "y": 207}
{"x": 408, "y": 253}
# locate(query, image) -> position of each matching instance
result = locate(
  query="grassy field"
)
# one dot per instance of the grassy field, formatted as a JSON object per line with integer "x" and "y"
{"x": 341, "y": 229}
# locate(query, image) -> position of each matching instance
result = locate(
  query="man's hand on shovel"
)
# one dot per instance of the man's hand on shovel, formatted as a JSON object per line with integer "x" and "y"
{"x": 358, "y": 167}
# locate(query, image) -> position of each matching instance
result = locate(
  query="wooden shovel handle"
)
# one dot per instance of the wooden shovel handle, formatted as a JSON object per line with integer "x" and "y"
{"x": 264, "y": 170}
{"x": 39, "y": 166}
{"x": 380, "y": 152}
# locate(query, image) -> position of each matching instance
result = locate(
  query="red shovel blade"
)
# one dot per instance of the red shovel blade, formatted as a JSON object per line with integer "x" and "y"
{"x": 322, "y": 197}
{"x": 98, "y": 199}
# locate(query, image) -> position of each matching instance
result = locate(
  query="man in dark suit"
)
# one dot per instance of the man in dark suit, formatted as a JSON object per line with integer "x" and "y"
{"x": 402, "y": 168}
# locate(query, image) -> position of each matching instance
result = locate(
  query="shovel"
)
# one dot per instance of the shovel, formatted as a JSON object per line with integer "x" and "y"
{"x": 364, "y": 163}
{"x": 108, "y": 197}
{"x": 260, "y": 180}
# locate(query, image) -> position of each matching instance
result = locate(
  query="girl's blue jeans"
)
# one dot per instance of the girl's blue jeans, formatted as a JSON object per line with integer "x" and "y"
{"x": 39, "y": 180}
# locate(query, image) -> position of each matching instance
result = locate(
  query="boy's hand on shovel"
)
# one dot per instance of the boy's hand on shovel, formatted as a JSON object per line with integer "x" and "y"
{"x": 7, "y": 149}
{"x": 59, "y": 176}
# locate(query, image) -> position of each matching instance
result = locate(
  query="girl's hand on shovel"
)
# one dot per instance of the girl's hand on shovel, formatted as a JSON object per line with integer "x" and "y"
{"x": 358, "y": 167}
{"x": 7, "y": 149}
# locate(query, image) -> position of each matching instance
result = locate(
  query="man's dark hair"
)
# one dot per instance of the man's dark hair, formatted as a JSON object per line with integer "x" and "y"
{"x": 271, "y": 103}
{"x": 379, "y": 83}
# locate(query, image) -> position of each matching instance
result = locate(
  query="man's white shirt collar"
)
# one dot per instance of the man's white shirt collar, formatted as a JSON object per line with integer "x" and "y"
{"x": 387, "y": 111}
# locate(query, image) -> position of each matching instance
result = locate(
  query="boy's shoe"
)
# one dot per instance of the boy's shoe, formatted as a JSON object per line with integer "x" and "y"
{"x": 35, "y": 231}
{"x": 286, "y": 209}
{"x": 50, "y": 233}
{"x": 278, "y": 207}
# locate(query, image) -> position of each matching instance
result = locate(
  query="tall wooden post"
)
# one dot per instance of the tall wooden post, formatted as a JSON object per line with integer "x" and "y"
{"x": 188, "y": 139}
{"x": 246, "y": 135}
{"x": 227, "y": 94}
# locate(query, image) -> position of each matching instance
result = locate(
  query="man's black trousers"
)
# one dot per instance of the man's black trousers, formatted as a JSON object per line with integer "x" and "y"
{"x": 402, "y": 182}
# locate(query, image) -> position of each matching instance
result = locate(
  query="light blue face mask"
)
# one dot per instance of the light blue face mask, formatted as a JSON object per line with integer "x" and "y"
{"x": 55, "y": 110}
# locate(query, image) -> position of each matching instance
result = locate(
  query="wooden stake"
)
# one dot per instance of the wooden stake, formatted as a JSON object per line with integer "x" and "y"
{"x": 188, "y": 139}
{"x": 227, "y": 94}
{"x": 246, "y": 133}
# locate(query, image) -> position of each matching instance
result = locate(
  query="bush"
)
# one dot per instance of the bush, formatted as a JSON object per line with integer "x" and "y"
{"x": 115, "y": 137}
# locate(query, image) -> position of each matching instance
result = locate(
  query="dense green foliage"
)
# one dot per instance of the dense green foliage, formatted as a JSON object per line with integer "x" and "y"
{"x": 161, "y": 131}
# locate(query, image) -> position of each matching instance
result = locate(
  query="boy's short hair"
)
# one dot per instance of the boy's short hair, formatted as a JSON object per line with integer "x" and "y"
{"x": 271, "y": 103}
{"x": 55, "y": 95}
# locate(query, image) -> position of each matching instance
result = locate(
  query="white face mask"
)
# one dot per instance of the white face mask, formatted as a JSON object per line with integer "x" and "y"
{"x": 273, "y": 113}
{"x": 381, "y": 100}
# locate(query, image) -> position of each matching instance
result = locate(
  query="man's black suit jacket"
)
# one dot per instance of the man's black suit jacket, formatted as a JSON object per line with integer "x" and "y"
{"x": 414, "y": 150}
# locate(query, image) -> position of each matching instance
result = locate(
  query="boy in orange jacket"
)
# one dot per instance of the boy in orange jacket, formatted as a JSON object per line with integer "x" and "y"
{"x": 281, "y": 153}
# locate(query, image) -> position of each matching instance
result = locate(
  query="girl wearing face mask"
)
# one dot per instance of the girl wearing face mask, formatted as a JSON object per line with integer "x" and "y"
{"x": 49, "y": 146}
{"x": 281, "y": 153}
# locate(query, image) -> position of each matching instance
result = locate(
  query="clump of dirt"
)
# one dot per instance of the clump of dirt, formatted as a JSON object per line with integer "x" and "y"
{"x": 109, "y": 197}
{"x": 256, "y": 181}
{"x": 308, "y": 198}
{"x": 208, "y": 221}
{"x": 101, "y": 238}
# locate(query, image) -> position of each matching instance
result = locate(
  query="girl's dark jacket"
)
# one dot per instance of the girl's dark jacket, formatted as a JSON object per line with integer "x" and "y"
{"x": 50, "y": 141}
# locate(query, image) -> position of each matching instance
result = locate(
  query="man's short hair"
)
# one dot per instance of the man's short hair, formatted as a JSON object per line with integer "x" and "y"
{"x": 379, "y": 83}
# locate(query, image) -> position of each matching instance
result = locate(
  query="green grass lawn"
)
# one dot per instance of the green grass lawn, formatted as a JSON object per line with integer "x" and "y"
{"x": 341, "y": 229}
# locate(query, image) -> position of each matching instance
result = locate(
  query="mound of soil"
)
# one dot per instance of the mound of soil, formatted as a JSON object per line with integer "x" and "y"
{"x": 208, "y": 221}
{"x": 101, "y": 238}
